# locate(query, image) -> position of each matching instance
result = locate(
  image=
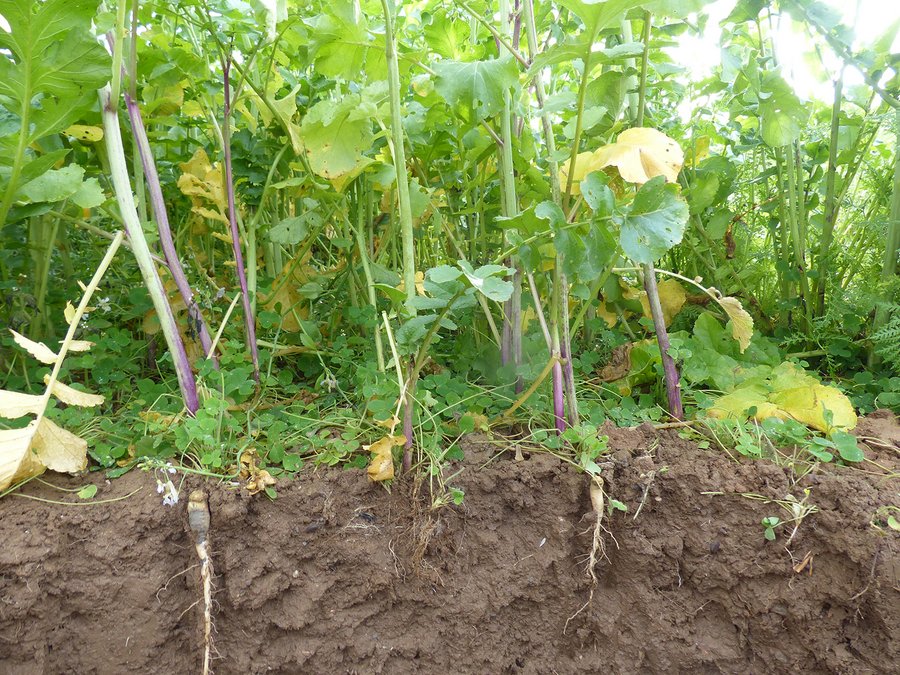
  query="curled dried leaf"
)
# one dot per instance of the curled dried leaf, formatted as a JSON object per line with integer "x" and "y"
{"x": 382, "y": 465}
{"x": 38, "y": 350}
{"x": 71, "y": 396}
{"x": 14, "y": 404}
{"x": 741, "y": 321}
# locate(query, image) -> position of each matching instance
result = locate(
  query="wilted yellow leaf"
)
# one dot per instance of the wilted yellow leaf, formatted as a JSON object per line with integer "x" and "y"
{"x": 58, "y": 449}
{"x": 672, "y": 297}
{"x": 14, "y": 405}
{"x": 640, "y": 154}
{"x": 257, "y": 479}
{"x": 789, "y": 393}
{"x": 809, "y": 404}
{"x": 70, "y": 396}
{"x": 585, "y": 163}
{"x": 737, "y": 404}
{"x": 38, "y": 350}
{"x": 382, "y": 465}
{"x": 204, "y": 184}
{"x": 611, "y": 318}
{"x": 389, "y": 423}
{"x": 741, "y": 321}
{"x": 17, "y": 462}
{"x": 80, "y": 345}
{"x": 420, "y": 284}
{"x": 85, "y": 134}
{"x": 285, "y": 297}
{"x": 69, "y": 312}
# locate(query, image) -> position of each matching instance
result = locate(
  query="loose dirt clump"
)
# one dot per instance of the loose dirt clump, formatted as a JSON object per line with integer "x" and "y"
{"x": 339, "y": 576}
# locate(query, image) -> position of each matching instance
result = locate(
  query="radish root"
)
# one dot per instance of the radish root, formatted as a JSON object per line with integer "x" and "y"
{"x": 198, "y": 520}
{"x": 598, "y": 547}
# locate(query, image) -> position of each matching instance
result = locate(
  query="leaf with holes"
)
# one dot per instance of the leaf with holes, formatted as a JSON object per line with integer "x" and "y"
{"x": 654, "y": 222}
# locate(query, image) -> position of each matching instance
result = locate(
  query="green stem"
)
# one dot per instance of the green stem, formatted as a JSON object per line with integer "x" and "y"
{"x": 831, "y": 205}
{"x": 402, "y": 174}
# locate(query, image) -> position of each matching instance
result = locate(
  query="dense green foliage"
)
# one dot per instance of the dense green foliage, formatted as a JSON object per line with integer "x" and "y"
{"x": 416, "y": 239}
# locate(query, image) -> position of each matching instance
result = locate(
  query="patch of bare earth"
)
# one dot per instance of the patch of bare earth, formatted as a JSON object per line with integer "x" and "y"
{"x": 338, "y": 576}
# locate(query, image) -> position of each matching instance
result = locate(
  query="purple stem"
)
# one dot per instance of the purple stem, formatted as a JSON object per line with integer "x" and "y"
{"x": 566, "y": 352}
{"x": 408, "y": 420}
{"x": 670, "y": 370}
{"x": 517, "y": 25}
{"x": 559, "y": 406}
{"x": 515, "y": 321}
{"x": 195, "y": 316}
{"x": 232, "y": 219}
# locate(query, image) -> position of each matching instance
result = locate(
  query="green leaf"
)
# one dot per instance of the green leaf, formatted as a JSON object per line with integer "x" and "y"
{"x": 596, "y": 193}
{"x": 477, "y": 87}
{"x": 336, "y": 134}
{"x": 585, "y": 254}
{"x": 781, "y": 113}
{"x": 847, "y": 447}
{"x": 87, "y": 492}
{"x": 485, "y": 281}
{"x": 290, "y": 231}
{"x": 53, "y": 49}
{"x": 654, "y": 222}
{"x": 54, "y": 185}
{"x": 344, "y": 47}
{"x": 443, "y": 274}
{"x": 578, "y": 48}
{"x": 89, "y": 194}
{"x": 598, "y": 15}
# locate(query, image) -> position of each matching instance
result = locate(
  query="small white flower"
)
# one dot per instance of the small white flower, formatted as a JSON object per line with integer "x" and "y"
{"x": 159, "y": 487}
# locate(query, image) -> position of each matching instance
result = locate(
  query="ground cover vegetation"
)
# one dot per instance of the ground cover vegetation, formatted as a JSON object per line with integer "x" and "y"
{"x": 350, "y": 233}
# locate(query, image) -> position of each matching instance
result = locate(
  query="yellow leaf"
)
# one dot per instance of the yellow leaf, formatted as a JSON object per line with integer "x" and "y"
{"x": 420, "y": 284}
{"x": 14, "y": 405}
{"x": 789, "y": 393}
{"x": 741, "y": 321}
{"x": 382, "y": 465}
{"x": 17, "y": 462}
{"x": 69, "y": 312}
{"x": 585, "y": 163}
{"x": 38, "y": 350}
{"x": 671, "y": 297}
{"x": 640, "y": 154}
{"x": 285, "y": 297}
{"x": 58, "y": 449}
{"x": 80, "y": 345}
{"x": 611, "y": 318}
{"x": 85, "y": 134}
{"x": 257, "y": 479}
{"x": 736, "y": 405}
{"x": 191, "y": 109}
{"x": 70, "y": 396}
{"x": 808, "y": 405}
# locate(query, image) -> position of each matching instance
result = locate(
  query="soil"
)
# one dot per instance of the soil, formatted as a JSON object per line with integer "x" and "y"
{"x": 339, "y": 576}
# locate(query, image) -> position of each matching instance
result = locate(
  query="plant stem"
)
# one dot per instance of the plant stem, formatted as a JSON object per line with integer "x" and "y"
{"x": 670, "y": 370}
{"x": 892, "y": 240}
{"x": 125, "y": 198}
{"x": 364, "y": 259}
{"x": 249, "y": 318}
{"x": 831, "y": 205}
{"x": 406, "y": 225}
{"x": 160, "y": 214}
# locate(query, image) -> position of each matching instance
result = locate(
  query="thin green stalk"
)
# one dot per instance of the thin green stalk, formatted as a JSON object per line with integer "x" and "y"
{"x": 892, "y": 240}
{"x": 370, "y": 282}
{"x": 831, "y": 205}
{"x": 399, "y": 152}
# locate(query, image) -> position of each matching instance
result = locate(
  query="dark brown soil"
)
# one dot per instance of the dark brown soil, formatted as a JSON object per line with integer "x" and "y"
{"x": 338, "y": 576}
